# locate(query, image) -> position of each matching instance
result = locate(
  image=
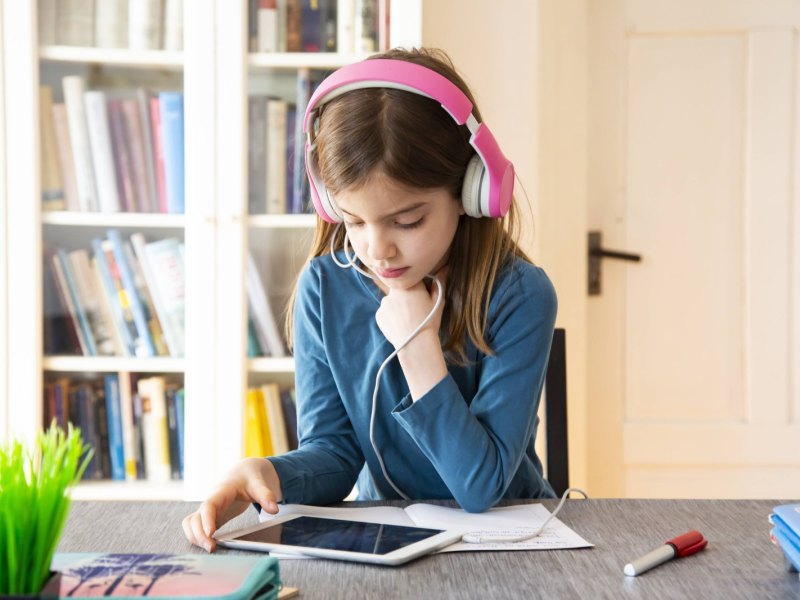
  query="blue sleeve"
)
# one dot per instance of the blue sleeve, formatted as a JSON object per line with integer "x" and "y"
{"x": 477, "y": 447}
{"x": 328, "y": 460}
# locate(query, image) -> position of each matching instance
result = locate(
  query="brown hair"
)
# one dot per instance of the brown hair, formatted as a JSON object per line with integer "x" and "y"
{"x": 411, "y": 139}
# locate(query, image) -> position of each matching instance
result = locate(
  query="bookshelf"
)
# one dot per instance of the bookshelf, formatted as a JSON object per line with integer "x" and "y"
{"x": 216, "y": 75}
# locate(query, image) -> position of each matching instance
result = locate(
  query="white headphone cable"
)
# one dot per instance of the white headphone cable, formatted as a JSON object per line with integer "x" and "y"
{"x": 351, "y": 262}
{"x": 488, "y": 538}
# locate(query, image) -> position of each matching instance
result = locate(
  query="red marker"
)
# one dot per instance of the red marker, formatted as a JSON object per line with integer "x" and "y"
{"x": 678, "y": 547}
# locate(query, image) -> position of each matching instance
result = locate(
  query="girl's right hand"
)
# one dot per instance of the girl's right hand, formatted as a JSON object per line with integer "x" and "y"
{"x": 251, "y": 480}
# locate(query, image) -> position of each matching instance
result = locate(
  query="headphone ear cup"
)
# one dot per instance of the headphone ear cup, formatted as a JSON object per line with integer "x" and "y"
{"x": 323, "y": 201}
{"x": 471, "y": 188}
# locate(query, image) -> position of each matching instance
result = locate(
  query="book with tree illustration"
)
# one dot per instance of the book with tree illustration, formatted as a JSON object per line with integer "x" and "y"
{"x": 162, "y": 576}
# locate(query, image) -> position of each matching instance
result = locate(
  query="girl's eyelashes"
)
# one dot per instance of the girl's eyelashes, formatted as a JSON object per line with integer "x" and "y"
{"x": 413, "y": 225}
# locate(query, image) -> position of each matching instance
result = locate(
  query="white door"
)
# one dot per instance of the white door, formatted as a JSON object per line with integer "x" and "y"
{"x": 694, "y": 353}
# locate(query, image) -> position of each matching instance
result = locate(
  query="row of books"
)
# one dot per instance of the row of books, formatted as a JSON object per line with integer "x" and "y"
{"x": 134, "y": 24}
{"x": 110, "y": 152}
{"x": 135, "y": 424}
{"x": 127, "y": 297}
{"x": 277, "y": 181}
{"x": 124, "y": 298}
{"x": 270, "y": 421}
{"x": 345, "y": 26}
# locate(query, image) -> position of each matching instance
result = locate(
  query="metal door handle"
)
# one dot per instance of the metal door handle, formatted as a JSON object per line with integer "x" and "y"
{"x": 596, "y": 253}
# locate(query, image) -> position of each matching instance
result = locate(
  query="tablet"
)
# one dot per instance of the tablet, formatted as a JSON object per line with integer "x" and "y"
{"x": 324, "y": 537}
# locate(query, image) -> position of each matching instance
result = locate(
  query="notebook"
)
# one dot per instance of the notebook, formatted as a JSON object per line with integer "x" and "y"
{"x": 785, "y": 519}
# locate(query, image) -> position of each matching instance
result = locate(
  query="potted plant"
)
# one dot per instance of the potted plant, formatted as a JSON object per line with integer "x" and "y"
{"x": 35, "y": 487}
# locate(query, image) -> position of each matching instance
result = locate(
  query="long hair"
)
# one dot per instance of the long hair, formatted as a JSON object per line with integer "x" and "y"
{"x": 411, "y": 139}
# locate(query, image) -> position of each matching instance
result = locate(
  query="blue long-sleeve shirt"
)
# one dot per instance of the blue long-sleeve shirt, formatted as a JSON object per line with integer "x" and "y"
{"x": 470, "y": 438}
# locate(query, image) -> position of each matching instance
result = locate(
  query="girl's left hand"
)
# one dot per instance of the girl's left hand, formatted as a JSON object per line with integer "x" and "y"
{"x": 402, "y": 311}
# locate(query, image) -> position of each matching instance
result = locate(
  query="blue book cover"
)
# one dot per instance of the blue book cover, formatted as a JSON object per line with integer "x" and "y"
{"x": 114, "y": 416}
{"x": 179, "y": 395}
{"x": 140, "y": 317}
{"x": 80, "y": 313}
{"x": 88, "y": 429}
{"x": 117, "y": 311}
{"x": 171, "y": 108}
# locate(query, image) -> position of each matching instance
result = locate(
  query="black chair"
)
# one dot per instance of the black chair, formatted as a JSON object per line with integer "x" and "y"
{"x": 555, "y": 397}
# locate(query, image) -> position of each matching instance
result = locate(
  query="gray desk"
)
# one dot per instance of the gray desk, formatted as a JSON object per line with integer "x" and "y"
{"x": 740, "y": 561}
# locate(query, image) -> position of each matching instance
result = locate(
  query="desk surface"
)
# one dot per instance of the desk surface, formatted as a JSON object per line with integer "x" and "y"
{"x": 740, "y": 561}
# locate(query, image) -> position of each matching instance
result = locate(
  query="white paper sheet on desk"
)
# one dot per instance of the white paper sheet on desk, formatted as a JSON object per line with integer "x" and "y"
{"x": 522, "y": 519}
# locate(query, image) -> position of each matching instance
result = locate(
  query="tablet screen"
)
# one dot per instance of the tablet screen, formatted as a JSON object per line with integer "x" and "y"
{"x": 335, "y": 534}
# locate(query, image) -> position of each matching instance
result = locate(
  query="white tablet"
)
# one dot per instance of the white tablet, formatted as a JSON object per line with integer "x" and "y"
{"x": 338, "y": 539}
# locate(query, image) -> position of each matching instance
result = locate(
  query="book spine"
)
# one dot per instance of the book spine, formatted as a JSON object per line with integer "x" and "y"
{"x": 148, "y": 307}
{"x": 277, "y": 423}
{"x": 294, "y": 26}
{"x": 173, "y": 25}
{"x": 74, "y": 23}
{"x": 257, "y": 154}
{"x": 165, "y": 261}
{"x": 64, "y": 275}
{"x": 127, "y": 422}
{"x": 111, "y": 23}
{"x": 65, "y": 159}
{"x": 145, "y": 24}
{"x": 158, "y": 154}
{"x": 267, "y": 26}
{"x": 74, "y": 89}
{"x": 115, "y": 442}
{"x": 266, "y": 327}
{"x": 277, "y": 111}
{"x": 180, "y": 413}
{"x": 135, "y": 302}
{"x": 172, "y": 437}
{"x": 102, "y": 154}
{"x": 171, "y": 105}
{"x": 66, "y": 317}
{"x": 143, "y": 98}
{"x": 89, "y": 297}
{"x": 154, "y": 428}
{"x": 115, "y": 297}
{"x": 312, "y": 26}
{"x": 47, "y": 22}
{"x": 345, "y": 26}
{"x": 52, "y": 187}
{"x": 133, "y": 129}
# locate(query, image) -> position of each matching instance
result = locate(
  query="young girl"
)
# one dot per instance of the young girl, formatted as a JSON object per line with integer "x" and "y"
{"x": 421, "y": 331}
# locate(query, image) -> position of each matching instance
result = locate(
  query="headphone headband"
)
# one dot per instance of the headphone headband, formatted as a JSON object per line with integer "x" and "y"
{"x": 489, "y": 180}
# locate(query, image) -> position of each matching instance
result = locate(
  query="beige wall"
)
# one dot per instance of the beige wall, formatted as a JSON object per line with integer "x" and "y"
{"x": 526, "y": 64}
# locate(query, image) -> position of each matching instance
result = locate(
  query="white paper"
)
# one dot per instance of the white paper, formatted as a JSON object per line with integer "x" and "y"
{"x": 522, "y": 519}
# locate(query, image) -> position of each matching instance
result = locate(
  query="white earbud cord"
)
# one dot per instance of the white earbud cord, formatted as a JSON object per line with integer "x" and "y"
{"x": 351, "y": 262}
{"x": 488, "y": 538}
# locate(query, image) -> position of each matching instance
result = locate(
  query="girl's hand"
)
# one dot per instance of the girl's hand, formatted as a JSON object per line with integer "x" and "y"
{"x": 402, "y": 311}
{"x": 251, "y": 480}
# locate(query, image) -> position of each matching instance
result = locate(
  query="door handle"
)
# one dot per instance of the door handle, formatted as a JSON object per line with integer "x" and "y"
{"x": 596, "y": 254}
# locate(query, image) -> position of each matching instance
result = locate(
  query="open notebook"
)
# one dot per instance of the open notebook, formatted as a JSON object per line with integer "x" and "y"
{"x": 505, "y": 520}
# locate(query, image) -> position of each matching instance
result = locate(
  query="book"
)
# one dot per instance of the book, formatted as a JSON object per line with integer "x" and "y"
{"x": 290, "y": 417}
{"x": 100, "y": 328}
{"x": 155, "y": 432}
{"x": 171, "y": 126}
{"x": 60, "y": 335}
{"x": 163, "y": 576}
{"x": 256, "y": 428}
{"x": 122, "y": 156}
{"x": 112, "y": 286}
{"x": 114, "y": 415}
{"x": 145, "y": 24}
{"x": 74, "y": 88}
{"x": 158, "y": 154}
{"x": 173, "y": 25}
{"x": 68, "y": 295}
{"x": 269, "y": 337}
{"x": 141, "y": 317}
{"x": 294, "y": 25}
{"x": 65, "y": 160}
{"x": 52, "y": 188}
{"x": 275, "y": 418}
{"x": 102, "y": 154}
{"x": 277, "y": 114}
{"x": 257, "y": 154}
{"x": 153, "y": 323}
{"x": 133, "y": 130}
{"x": 74, "y": 24}
{"x": 111, "y": 23}
{"x": 143, "y": 100}
{"x": 172, "y": 431}
{"x": 267, "y": 17}
{"x": 127, "y": 422}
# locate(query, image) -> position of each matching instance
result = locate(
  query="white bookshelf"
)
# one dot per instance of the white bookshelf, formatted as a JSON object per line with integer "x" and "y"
{"x": 216, "y": 229}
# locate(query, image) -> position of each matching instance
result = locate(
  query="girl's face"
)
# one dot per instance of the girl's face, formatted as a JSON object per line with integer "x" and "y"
{"x": 398, "y": 233}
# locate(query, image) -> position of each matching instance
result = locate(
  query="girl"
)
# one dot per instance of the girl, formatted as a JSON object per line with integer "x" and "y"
{"x": 419, "y": 369}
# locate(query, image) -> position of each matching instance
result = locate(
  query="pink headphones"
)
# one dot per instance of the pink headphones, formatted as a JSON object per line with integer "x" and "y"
{"x": 489, "y": 179}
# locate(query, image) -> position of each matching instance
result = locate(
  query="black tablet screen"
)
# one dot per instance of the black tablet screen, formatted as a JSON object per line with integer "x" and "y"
{"x": 334, "y": 534}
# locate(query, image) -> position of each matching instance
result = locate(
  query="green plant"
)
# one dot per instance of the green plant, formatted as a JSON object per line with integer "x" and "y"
{"x": 34, "y": 500}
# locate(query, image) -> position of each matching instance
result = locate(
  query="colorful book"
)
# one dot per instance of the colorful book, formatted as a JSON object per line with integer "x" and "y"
{"x": 155, "y": 432}
{"x": 114, "y": 415}
{"x": 210, "y": 576}
{"x": 112, "y": 286}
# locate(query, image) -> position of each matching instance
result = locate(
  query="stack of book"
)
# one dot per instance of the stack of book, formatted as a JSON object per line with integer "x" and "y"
{"x": 112, "y": 152}
{"x": 270, "y": 421}
{"x": 135, "y": 424}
